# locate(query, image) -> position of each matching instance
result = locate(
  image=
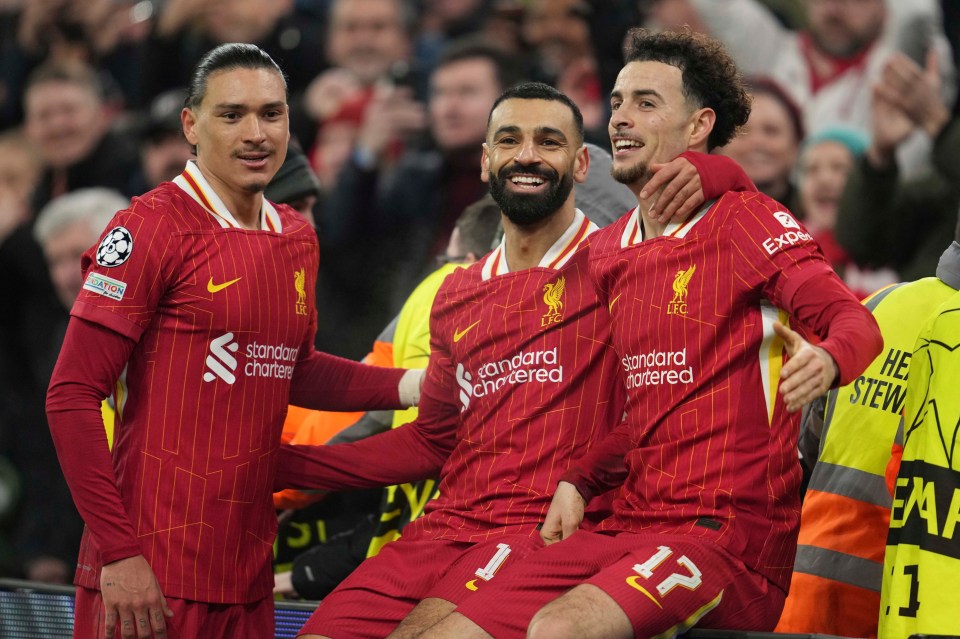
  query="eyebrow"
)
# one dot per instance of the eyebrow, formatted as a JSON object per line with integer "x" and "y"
{"x": 539, "y": 131}
{"x": 638, "y": 93}
{"x": 240, "y": 107}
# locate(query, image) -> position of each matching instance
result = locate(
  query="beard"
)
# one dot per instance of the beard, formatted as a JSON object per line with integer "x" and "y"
{"x": 630, "y": 174}
{"x": 527, "y": 209}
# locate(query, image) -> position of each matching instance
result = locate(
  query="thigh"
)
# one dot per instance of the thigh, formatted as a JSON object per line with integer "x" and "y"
{"x": 383, "y": 590}
{"x": 668, "y": 584}
{"x": 505, "y": 606}
{"x": 250, "y": 620}
{"x": 480, "y": 563}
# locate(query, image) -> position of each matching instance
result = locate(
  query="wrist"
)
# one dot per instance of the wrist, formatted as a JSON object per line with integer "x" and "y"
{"x": 937, "y": 121}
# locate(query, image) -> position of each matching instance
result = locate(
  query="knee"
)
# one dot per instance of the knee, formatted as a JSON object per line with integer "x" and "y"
{"x": 550, "y": 624}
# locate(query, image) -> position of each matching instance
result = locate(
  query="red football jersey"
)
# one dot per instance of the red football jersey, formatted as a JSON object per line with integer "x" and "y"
{"x": 712, "y": 448}
{"x": 220, "y": 315}
{"x": 526, "y": 358}
{"x": 522, "y": 380}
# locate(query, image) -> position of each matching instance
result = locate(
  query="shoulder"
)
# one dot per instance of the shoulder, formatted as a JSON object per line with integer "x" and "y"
{"x": 295, "y": 225}
{"x": 608, "y": 237}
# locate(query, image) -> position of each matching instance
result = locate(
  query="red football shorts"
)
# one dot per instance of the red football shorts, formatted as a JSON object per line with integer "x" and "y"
{"x": 664, "y": 584}
{"x": 191, "y": 619}
{"x": 375, "y": 598}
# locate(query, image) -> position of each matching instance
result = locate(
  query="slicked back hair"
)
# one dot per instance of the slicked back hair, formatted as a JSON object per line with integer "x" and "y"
{"x": 235, "y": 55}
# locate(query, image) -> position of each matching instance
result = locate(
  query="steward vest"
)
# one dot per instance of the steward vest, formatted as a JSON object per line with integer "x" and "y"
{"x": 835, "y": 587}
{"x": 922, "y": 563}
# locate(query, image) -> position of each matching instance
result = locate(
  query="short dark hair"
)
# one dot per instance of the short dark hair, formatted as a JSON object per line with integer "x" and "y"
{"x": 78, "y": 73}
{"x": 478, "y": 225}
{"x": 505, "y": 66}
{"x": 540, "y": 91}
{"x": 235, "y": 55}
{"x": 710, "y": 77}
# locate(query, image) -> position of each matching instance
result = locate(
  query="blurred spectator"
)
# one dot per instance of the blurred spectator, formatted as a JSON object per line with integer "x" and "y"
{"x": 403, "y": 213}
{"x": 105, "y": 34}
{"x": 829, "y": 67}
{"x": 67, "y": 120}
{"x": 186, "y": 29}
{"x": 20, "y": 168}
{"x": 163, "y": 149}
{"x": 295, "y": 184}
{"x": 558, "y": 31}
{"x": 767, "y": 147}
{"x": 49, "y": 528}
{"x": 369, "y": 47}
{"x": 825, "y": 162}
{"x": 884, "y": 218}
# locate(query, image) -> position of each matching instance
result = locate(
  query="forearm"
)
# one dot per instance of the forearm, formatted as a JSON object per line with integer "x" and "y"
{"x": 79, "y": 384}
{"x": 848, "y": 330}
{"x": 867, "y": 211}
{"x": 604, "y": 467}
{"x": 731, "y": 20}
{"x": 718, "y": 174}
{"x": 397, "y": 456}
{"x": 325, "y": 382}
{"x": 945, "y": 148}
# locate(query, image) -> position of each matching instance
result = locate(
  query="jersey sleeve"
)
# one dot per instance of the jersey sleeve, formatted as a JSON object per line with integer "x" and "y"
{"x": 409, "y": 453}
{"x": 604, "y": 467}
{"x": 781, "y": 259}
{"x": 78, "y": 385}
{"x": 127, "y": 273}
{"x": 718, "y": 174}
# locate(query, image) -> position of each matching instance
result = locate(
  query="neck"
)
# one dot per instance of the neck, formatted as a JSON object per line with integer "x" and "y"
{"x": 526, "y": 245}
{"x": 651, "y": 228}
{"x": 244, "y": 205}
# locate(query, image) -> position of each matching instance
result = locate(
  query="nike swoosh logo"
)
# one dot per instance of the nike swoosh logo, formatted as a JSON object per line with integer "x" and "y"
{"x": 614, "y": 301}
{"x": 216, "y": 288}
{"x": 632, "y": 581}
{"x": 459, "y": 334}
{"x": 471, "y": 585}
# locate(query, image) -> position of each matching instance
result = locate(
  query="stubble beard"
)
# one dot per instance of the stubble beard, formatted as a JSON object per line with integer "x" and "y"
{"x": 631, "y": 174}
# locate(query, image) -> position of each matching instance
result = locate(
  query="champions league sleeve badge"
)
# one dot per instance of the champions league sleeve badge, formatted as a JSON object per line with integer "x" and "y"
{"x": 115, "y": 248}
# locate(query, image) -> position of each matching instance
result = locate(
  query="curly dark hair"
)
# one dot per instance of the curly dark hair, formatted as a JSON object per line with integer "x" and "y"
{"x": 710, "y": 78}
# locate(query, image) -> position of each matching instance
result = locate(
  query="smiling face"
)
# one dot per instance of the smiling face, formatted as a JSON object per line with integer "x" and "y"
{"x": 65, "y": 120}
{"x": 532, "y": 157}
{"x": 767, "y": 147}
{"x": 824, "y": 168}
{"x": 651, "y": 120}
{"x": 241, "y": 130}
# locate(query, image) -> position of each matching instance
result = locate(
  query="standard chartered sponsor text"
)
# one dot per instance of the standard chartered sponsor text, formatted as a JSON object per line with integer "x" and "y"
{"x": 524, "y": 367}
{"x": 270, "y": 360}
{"x": 657, "y": 367}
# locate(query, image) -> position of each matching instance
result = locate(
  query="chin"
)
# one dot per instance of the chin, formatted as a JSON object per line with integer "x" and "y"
{"x": 255, "y": 187}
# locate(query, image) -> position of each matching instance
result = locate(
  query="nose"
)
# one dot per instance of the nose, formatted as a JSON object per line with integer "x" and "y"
{"x": 619, "y": 119}
{"x": 252, "y": 130}
{"x": 527, "y": 153}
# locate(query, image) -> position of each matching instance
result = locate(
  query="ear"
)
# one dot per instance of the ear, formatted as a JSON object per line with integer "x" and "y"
{"x": 485, "y": 164}
{"x": 470, "y": 258}
{"x": 581, "y": 165}
{"x": 188, "y": 120}
{"x": 701, "y": 125}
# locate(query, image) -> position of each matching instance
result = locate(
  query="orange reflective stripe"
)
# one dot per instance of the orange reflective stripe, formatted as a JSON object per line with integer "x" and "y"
{"x": 817, "y": 605}
{"x": 844, "y": 525}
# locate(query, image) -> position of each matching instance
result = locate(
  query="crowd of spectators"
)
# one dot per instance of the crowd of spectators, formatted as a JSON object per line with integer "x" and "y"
{"x": 854, "y": 128}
